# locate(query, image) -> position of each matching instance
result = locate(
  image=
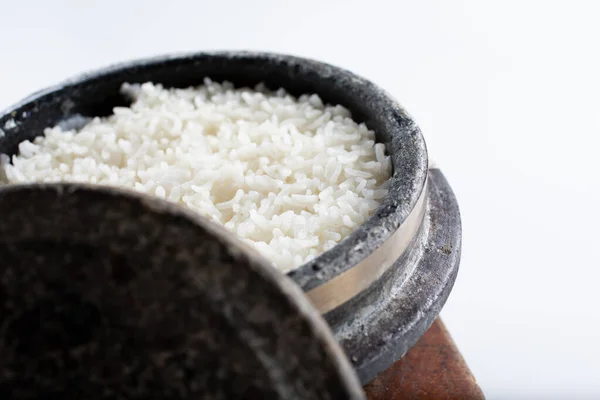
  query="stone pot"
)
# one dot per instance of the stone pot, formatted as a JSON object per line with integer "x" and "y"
{"x": 380, "y": 288}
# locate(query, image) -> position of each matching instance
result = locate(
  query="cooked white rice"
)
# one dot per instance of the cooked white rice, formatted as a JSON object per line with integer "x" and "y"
{"x": 291, "y": 176}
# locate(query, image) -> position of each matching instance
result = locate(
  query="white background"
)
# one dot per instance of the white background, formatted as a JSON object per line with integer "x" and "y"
{"x": 508, "y": 95}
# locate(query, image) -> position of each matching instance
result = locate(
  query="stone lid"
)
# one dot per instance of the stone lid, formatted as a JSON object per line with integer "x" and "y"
{"x": 107, "y": 293}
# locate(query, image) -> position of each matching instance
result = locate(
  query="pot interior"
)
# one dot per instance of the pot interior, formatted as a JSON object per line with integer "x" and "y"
{"x": 96, "y": 94}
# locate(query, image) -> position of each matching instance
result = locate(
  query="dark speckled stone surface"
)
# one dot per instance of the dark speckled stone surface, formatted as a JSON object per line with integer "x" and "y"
{"x": 108, "y": 294}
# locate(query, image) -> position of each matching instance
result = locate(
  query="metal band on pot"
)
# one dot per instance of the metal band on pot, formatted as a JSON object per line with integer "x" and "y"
{"x": 345, "y": 286}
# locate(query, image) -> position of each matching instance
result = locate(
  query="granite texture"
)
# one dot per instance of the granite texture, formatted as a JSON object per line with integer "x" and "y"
{"x": 111, "y": 294}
